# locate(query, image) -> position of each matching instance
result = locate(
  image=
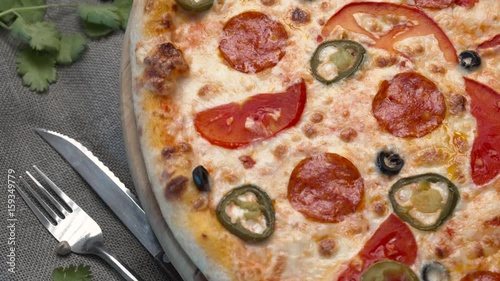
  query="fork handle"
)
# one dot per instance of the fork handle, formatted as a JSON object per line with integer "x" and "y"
{"x": 126, "y": 272}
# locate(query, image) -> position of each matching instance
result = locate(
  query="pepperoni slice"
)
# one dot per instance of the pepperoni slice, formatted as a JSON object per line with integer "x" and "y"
{"x": 466, "y": 3}
{"x": 409, "y": 105}
{"x": 393, "y": 240}
{"x": 258, "y": 117}
{"x": 326, "y": 187}
{"x": 253, "y": 42}
{"x": 481, "y": 276}
{"x": 485, "y": 155}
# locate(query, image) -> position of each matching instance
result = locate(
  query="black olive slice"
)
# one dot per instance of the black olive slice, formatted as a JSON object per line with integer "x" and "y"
{"x": 434, "y": 271}
{"x": 469, "y": 59}
{"x": 200, "y": 178}
{"x": 389, "y": 163}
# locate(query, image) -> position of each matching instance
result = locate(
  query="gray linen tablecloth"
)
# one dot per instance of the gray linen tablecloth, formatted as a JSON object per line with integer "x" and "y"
{"x": 84, "y": 104}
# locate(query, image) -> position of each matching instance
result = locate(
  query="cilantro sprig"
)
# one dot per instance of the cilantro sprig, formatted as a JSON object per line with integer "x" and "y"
{"x": 72, "y": 273}
{"x": 45, "y": 46}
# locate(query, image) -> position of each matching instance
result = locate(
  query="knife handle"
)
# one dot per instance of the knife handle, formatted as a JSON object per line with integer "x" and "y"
{"x": 168, "y": 268}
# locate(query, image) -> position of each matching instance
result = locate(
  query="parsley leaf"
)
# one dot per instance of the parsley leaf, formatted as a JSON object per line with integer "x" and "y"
{"x": 124, "y": 7}
{"x": 33, "y": 15}
{"x": 36, "y": 69}
{"x": 71, "y": 48}
{"x": 96, "y": 30}
{"x": 72, "y": 273}
{"x": 101, "y": 14}
{"x": 39, "y": 35}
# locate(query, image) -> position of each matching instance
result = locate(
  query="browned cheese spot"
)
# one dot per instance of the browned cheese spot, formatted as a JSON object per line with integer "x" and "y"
{"x": 348, "y": 134}
{"x": 171, "y": 151}
{"x": 268, "y": 2}
{"x": 379, "y": 206}
{"x": 164, "y": 65}
{"x": 385, "y": 61}
{"x": 457, "y": 104}
{"x": 247, "y": 161}
{"x": 309, "y": 131}
{"x": 201, "y": 203}
{"x": 207, "y": 90}
{"x": 280, "y": 151}
{"x": 175, "y": 187}
{"x": 300, "y": 16}
{"x": 316, "y": 117}
{"x": 327, "y": 247}
{"x": 442, "y": 250}
{"x": 437, "y": 69}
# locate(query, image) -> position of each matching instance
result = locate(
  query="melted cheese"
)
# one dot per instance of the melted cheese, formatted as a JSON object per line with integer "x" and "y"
{"x": 292, "y": 252}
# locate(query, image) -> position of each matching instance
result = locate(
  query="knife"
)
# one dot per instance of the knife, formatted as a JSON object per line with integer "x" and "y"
{"x": 112, "y": 191}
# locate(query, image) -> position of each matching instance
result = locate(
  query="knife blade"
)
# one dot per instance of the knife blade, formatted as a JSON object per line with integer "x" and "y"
{"x": 112, "y": 191}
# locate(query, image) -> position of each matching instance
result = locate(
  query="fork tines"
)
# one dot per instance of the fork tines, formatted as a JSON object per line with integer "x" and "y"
{"x": 63, "y": 211}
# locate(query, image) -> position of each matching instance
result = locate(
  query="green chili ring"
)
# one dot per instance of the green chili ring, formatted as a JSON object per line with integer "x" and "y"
{"x": 344, "y": 45}
{"x": 447, "y": 209}
{"x": 387, "y": 269}
{"x": 195, "y": 6}
{"x": 265, "y": 206}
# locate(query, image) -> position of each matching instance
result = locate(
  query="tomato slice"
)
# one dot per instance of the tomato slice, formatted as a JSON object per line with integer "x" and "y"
{"x": 485, "y": 156}
{"x": 258, "y": 117}
{"x": 393, "y": 240}
{"x": 493, "y": 42}
{"x": 425, "y": 26}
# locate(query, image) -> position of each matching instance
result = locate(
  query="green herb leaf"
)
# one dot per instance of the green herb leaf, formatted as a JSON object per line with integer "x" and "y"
{"x": 124, "y": 7}
{"x": 6, "y": 5}
{"x": 71, "y": 48}
{"x": 39, "y": 35}
{"x": 72, "y": 273}
{"x": 33, "y": 15}
{"x": 101, "y": 14}
{"x": 37, "y": 69}
{"x": 96, "y": 30}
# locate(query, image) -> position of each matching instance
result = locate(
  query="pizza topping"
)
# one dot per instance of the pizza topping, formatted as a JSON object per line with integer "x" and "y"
{"x": 326, "y": 187}
{"x": 424, "y": 201}
{"x": 466, "y": 3}
{"x": 195, "y": 5}
{"x": 247, "y": 212}
{"x": 163, "y": 66}
{"x": 336, "y": 59}
{"x": 348, "y": 134}
{"x": 201, "y": 178}
{"x": 423, "y": 26}
{"x": 389, "y": 163}
{"x": 253, "y": 42}
{"x": 493, "y": 42}
{"x": 485, "y": 155}
{"x": 457, "y": 104}
{"x": 389, "y": 270}
{"x": 393, "y": 240}
{"x": 433, "y": 4}
{"x": 409, "y": 105}
{"x": 434, "y": 271}
{"x": 175, "y": 187}
{"x": 327, "y": 246}
{"x": 259, "y": 117}
{"x": 469, "y": 59}
{"x": 300, "y": 16}
{"x": 247, "y": 161}
{"x": 481, "y": 275}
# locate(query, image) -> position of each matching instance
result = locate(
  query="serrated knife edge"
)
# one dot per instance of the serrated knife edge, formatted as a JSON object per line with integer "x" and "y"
{"x": 94, "y": 159}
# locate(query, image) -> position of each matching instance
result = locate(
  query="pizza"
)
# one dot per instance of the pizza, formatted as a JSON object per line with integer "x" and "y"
{"x": 324, "y": 140}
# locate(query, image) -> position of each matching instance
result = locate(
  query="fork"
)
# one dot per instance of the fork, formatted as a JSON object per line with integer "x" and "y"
{"x": 71, "y": 223}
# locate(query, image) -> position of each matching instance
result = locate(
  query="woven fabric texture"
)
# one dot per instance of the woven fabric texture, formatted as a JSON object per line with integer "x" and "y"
{"x": 84, "y": 104}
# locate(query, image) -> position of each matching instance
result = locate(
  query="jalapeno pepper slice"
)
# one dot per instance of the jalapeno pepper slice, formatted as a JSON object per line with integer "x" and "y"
{"x": 425, "y": 200}
{"x": 253, "y": 211}
{"x": 389, "y": 270}
{"x": 347, "y": 57}
{"x": 195, "y": 5}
